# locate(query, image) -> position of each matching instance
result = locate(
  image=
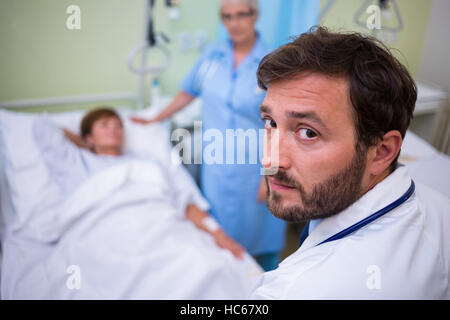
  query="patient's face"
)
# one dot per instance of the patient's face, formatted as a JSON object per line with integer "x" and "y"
{"x": 320, "y": 169}
{"x": 107, "y": 136}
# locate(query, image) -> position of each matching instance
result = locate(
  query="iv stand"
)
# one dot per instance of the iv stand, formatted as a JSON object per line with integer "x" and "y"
{"x": 150, "y": 41}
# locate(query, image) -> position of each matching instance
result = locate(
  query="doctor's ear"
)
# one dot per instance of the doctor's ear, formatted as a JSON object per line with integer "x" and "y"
{"x": 385, "y": 152}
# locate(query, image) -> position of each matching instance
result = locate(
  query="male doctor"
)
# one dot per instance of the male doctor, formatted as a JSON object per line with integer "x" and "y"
{"x": 340, "y": 105}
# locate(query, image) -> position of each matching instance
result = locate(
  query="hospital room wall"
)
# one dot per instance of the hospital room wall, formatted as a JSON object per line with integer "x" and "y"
{"x": 41, "y": 57}
{"x": 436, "y": 49}
{"x": 408, "y": 43}
{"x": 433, "y": 67}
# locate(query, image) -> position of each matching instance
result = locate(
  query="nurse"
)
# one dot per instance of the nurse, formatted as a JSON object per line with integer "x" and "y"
{"x": 225, "y": 78}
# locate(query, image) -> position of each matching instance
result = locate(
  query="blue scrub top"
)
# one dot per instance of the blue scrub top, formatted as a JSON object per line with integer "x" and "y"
{"x": 231, "y": 100}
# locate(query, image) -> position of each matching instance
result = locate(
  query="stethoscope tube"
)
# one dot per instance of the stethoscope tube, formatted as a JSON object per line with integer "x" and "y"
{"x": 373, "y": 216}
{"x": 355, "y": 227}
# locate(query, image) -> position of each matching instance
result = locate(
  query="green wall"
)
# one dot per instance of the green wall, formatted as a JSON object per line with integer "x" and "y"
{"x": 41, "y": 58}
{"x": 409, "y": 42}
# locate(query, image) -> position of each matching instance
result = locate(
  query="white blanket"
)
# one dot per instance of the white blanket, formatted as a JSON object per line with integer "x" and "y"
{"x": 120, "y": 236}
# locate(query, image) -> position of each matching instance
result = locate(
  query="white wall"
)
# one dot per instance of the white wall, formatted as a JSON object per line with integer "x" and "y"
{"x": 434, "y": 64}
{"x": 435, "y": 61}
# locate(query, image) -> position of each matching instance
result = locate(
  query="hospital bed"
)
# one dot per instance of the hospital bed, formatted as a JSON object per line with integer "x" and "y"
{"x": 426, "y": 165}
{"x": 124, "y": 248}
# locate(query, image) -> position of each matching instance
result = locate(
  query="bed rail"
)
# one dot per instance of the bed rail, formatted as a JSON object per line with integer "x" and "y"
{"x": 60, "y": 101}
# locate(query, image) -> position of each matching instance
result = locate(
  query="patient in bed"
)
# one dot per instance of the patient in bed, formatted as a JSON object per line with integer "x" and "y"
{"x": 71, "y": 159}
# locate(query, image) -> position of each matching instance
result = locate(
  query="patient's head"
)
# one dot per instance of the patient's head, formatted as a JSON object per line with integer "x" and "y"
{"x": 102, "y": 130}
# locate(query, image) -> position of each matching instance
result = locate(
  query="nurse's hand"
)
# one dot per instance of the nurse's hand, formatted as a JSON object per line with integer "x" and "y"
{"x": 143, "y": 121}
{"x": 225, "y": 242}
{"x": 181, "y": 100}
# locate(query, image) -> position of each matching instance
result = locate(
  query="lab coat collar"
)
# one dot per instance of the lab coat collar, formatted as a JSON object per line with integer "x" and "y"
{"x": 384, "y": 193}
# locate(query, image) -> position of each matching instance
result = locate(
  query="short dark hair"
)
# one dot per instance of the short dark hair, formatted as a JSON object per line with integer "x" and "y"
{"x": 93, "y": 116}
{"x": 381, "y": 90}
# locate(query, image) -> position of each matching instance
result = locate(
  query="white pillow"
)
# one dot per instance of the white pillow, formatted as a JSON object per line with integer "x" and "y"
{"x": 151, "y": 139}
{"x": 30, "y": 189}
{"x": 29, "y": 195}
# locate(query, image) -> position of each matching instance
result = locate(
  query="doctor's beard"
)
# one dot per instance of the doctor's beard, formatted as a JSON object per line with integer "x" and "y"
{"x": 327, "y": 198}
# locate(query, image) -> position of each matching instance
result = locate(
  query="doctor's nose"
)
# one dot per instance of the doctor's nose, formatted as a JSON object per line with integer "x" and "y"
{"x": 276, "y": 153}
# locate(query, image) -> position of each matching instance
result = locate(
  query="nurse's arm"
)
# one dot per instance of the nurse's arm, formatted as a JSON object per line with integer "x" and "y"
{"x": 197, "y": 217}
{"x": 181, "y": 100}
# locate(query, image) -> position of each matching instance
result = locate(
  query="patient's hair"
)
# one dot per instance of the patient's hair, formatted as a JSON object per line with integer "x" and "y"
{"x": 94, "y": 115}
{"x": 381, "y": 90}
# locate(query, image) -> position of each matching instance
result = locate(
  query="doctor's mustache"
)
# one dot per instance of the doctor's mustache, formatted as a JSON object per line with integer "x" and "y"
{"x": 283, "y": 178}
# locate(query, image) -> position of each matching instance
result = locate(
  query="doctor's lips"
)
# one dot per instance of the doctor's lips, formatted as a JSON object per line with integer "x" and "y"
{"x": 277, "y": 185}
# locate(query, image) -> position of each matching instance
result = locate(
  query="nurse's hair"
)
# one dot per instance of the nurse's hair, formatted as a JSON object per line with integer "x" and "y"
{"x": 252, "y": 4}
{"x": 381, "y": 90}
{"x": 93, "y": 116}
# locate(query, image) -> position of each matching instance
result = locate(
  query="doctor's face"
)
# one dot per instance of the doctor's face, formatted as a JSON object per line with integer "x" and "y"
{"x": 320, "y": 165}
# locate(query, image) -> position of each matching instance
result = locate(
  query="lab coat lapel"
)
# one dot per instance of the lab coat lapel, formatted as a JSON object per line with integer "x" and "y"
{"x": 384, "y": 193}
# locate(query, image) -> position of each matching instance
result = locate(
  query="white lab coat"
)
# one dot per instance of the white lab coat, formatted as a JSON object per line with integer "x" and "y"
{"x": 404, "y": 254}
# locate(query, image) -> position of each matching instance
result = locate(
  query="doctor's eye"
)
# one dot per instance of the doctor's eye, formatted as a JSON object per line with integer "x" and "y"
{"x": 270, "y": 124}
{"x": 307, "y": 134}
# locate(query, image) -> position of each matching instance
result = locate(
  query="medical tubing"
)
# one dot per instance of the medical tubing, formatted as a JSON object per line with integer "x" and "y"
{"x": 372, "y": 217}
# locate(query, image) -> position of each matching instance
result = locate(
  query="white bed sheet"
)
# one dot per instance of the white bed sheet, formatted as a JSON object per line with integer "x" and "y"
{"x": 425, "y": 164}
{"x": 121, "y": 230}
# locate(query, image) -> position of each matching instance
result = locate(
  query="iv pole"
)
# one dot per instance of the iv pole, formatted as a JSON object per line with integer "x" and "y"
{"x": 150, "y": 41}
